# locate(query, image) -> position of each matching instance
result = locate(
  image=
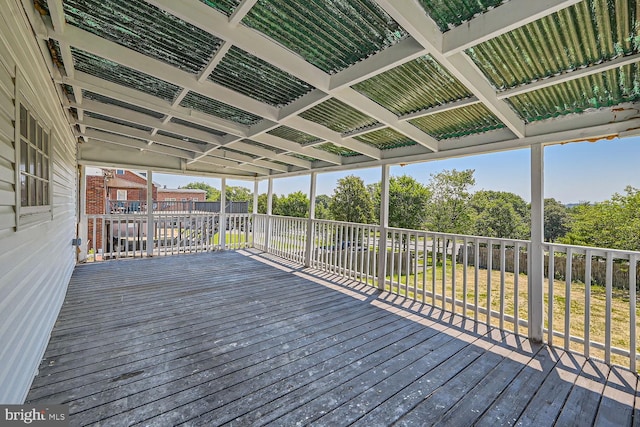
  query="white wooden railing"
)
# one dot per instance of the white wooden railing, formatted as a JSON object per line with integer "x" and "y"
{"x": 116, "y": 236}
{"x": 485, "y": 279}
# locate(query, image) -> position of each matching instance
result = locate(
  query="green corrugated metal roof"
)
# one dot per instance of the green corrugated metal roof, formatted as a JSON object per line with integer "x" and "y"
{"x": 225, "y": 6}
{"x": 303, "y": 157}
{"x": 125, "y": 76}
{"x": 599, "y": 90}
{"x": 218, "y": 109}
{"x": 293, "y": 135}
{"x": 116, "y": 121}
{"x": 106, "y": 100}
{"x": 146, "y": 29}
{"x": 385, "y": 139}
{"x": 251, "y": 76}
{"x": 329, "y": 34}
{"x": 196, "y": 126}
{"x": 332, "y": 148}
{"x": 463, "y": 121}
{"x": 587, "y": 33}
{"x": 413, "y": 86}
{"x": 261, "y": 145}
{"x": 338, "y": 116}
{"x": 451, "y": 13}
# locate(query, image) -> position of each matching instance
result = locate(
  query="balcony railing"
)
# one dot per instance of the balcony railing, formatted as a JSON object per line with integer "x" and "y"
{"x": 173, "y": 206}
{"x": 589, "y": 293}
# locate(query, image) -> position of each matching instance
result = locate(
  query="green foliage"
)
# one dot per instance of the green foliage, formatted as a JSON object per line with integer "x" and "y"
{"x": 351, "y": 202}
{"x": 322, "y": 207}
{"x": 262, "y": 203}
{"x": 238, "y": 194}
{"x": 295, "y": 204}
{"x": 408, "y": 201}
{"x": 449, "y": 210}
{"x": 556, "y": 220}
{"x": 500, "y": 214}
{"x": 614, "y": 223}
{"x": 213, "y": 194}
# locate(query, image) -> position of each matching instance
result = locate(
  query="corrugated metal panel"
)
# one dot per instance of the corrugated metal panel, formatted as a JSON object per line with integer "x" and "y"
{"x": 116, "y": 73}
{"x": 451, "y": 13}
{"x": 218, "y": 109}
{"x": 197, "y": 126}
{"x": 341, "y": 151}
{"x": 106, "y": 100}
{"x": 385, "y": 139}
{"x": 338, "y": 116}
{"x": 184, "y": 138}
{"x": 36, "y": 262}
{"x": 261, "y": 145}
{"x": 146, "y": 29}
{"x": 332, "y": 35}
{"x": 117, "y": 121}
{"x": 251, "y": 76}
{"x": 293, "y": 135}
{"x": 303, "y": 157}
{"x": 598, "y": 90}
{"x": 414, "y": 86}
{"x": 587, "y": 33}
{"x": 459, "y": 122}
{"x": 225, "y": 6}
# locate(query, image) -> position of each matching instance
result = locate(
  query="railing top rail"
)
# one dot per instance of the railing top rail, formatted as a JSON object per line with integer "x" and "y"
{"x": 355, "y": 224}
{"x": 617, "y": 253}
{"x": 459, "y": 236}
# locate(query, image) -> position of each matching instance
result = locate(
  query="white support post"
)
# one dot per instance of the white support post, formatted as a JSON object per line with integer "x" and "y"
{"x": 384, "y": 225}
{"x": 536, "y": 256}
{"x": 267, "y": 234}
{"x": 312, "y": 215}
{"x": 150, "y": 225}
{"x": 222, "y": 225}
{"x": 82, "y": 219}
{"x": 255, "y": 212}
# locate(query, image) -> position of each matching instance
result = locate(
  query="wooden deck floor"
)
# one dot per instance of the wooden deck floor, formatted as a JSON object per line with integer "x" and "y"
{"x": 236, "y": 338}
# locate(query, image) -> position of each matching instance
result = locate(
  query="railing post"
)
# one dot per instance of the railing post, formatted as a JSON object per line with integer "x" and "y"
{"x": 83, "y": 224}
{"x": 149, "y": 214}
{"x": 256, "y": 189}
{"x": 267, "y": 233}
{"x": 536, "y": 255}
{"x": 308, "y": 249}
{"x": 384, "y": 225}
{"x": 222, "y": 229}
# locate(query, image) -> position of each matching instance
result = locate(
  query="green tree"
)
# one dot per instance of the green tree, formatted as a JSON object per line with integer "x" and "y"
{"x": 500, "y": 214}
{"x": 322, "y": 207}
{"x": 556, "y": 220}
{"x": 295, "y": 204}
{"x": 449, "y": 210}
{"x": 212, "y": 193}
{"x": 351, "y": 201}
{"x": 238, "y": 194}
{"x": 408, "y": 201}
{"x": 262, "y": 203}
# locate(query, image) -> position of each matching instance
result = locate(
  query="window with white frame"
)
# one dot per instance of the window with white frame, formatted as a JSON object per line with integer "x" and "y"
{"x": 121, "y": 195}
{"x": 33, "y": 150}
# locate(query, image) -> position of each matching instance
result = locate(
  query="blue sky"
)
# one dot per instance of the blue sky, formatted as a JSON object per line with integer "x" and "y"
{"x": 574, "y": 172}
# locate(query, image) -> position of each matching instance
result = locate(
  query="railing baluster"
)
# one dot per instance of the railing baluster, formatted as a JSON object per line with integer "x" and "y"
{"x": 503, "y": 250}
{"x": 516, "y": 293}
{"x": 608, "y": 303}
{"x": 489, "y": 273}
{"x": 454, "y": 251}
{"x": 633, "y": 265}
{"x": 424, "y": 268}
{"x": 567, "y": 300}
{"x": 476, "y": 279}
{"x": 465, "y": 267}
{"x": 434, "y": 264}
{"x": 444, "y": 272}
{"x": 551, "y": 273}
{"x": 415, "y": 266}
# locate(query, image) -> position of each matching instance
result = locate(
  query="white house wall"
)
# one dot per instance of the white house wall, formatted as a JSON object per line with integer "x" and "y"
{"x": 35, "y": 263}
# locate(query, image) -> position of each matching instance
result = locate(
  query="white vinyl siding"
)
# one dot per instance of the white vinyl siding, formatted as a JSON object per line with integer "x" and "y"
{"x": 36, "y": 262}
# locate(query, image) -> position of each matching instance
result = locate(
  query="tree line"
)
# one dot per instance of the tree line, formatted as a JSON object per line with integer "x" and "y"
{"x": 447, "y": 204}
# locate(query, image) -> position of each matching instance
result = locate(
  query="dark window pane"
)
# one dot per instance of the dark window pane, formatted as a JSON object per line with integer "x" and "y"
{"x": 24, "y": 152}
{"x": 23, "y": 121}
{"x": 38, "y": 193}
{"x": 32, "y": 191}
{"x": 45, "y": 193}
{"x": 45, "y": 168}
{"x": 24, "y": 196}
{"x": 32, "y": 129}
{"x": 31, "y": 165}
{"x": 45, "y": 143}
{"x": 39, "y": 164}
{"x": 39, "y": 137}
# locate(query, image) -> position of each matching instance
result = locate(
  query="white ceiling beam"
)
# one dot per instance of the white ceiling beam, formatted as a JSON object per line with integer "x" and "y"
{"x": 503, "y": 19}
{"x": 441, "y": 108}
{"x": 405, "y": 51}
{"x": 141, "y": 99}
{"x": 208, "y": 19}
{"x": 315, "y": 129}
{"x": 360, "y": 102}
{"x": 140, "y": 134}
{"x": 263, "y": 152}
{"x": 303, "y": 103}
{"x": 572, "y": 75}
{"x": 124, "y": 114}
{"x": 241, "y": 11}
{"x": 411, "y": 16}
{"x": 232, "y": 165}
{"x": 294, "y": 147}
{"x": 214, "y": 61}
{"x": 101, "y": 154}
{"x": 136, "y": 143}
{"x": 130, "y": 58}
{"x": 243, "y": 158}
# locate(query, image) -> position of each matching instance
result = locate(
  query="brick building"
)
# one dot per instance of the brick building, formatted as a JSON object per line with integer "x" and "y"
{"x": 181, "y": 194}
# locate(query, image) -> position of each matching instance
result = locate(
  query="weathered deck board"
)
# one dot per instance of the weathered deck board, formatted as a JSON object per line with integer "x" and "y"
{"x": 241, "y": 338}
